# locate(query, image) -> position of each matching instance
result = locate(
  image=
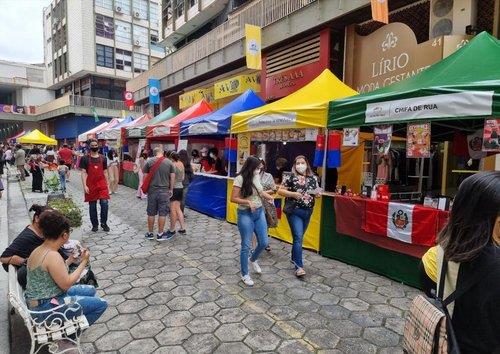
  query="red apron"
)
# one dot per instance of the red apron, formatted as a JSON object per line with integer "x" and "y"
{"x": 96, "y": 181}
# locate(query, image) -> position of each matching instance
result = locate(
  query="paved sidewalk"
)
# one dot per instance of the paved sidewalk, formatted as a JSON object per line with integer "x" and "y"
{"x": 185, "y": 295}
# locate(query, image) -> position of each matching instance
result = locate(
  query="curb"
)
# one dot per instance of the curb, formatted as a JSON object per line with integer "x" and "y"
{"x": 5, "y": 324}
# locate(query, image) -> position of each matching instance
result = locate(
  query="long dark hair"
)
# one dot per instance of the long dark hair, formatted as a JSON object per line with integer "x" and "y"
{"x": 250, "y": 165}
{"x": 184, "y": 157}
{"x": 38, "y": 209}
{"x": 472, "y": 218}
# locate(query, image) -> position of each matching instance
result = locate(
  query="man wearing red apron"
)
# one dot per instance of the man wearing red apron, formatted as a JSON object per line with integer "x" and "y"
{"x": 95, "y": 185}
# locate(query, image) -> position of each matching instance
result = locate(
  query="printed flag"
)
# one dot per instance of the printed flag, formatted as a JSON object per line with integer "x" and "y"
{"x": 154, "y": 91}
{"x": 253, "y": 47}
{"x": 333, "y": 153}
{"x": 129, "y": 99}
{"x": 407, "y": 223}
{"x": 319, "y": 153}
{"x": 380, "y": 10}
{"x": 94, "y": 112}
{"x": 230, "y": 150}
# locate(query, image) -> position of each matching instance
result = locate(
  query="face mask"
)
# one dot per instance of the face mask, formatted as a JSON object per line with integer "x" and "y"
{"x": 94, "y": 149}
{"x": 301, "y": 168}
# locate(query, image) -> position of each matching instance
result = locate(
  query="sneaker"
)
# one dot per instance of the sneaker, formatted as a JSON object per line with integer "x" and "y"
{"x": 95, "y": 228}
{"x": 105, "y": 227}
{"x": 247, "y": 280}
{"x": 256, "y": 267}
{"x": 182, "y": 231}
{"x": 165, "y": 236}
{"x": 149, "y": 235}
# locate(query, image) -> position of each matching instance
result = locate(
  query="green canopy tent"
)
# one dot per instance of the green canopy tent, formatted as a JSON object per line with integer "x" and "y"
{"x": 462, "y": 86}
{"x": 140, "y": 130}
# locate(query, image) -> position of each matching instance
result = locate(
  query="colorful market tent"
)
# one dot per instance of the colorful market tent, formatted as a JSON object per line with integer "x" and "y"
{"x": 171, "y": 127}
{"x": 139, "y": 131}
{"x": 113, "y": 133}
{"x": 464, "y": 85}
{"x": 17, "y": 136}
{"x": 85, "y": 136}
{"x": 305, "y": 108}
{"x": 37, "y": 137}
{"x": 219, "y": 122}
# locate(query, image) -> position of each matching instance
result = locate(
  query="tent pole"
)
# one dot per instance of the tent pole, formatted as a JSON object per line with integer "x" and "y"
{"x": 229, "y": 162}
{"x": 421, "y": 176}
{"x": 444, "y": 173}
{"x": 323, "y": 174}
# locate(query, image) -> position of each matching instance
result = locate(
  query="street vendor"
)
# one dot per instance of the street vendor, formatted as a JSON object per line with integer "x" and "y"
{"x": 94, "y": 182}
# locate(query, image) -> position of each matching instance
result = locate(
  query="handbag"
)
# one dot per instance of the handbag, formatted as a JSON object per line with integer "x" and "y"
{"x": 429, "y": 328}
{"x": 290, "y": 205}
{"x": 269, "y": 211}
{"x": 147, "y": 179}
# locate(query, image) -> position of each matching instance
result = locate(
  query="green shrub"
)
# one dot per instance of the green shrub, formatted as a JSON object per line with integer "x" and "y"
{"x": 69, "y": 209}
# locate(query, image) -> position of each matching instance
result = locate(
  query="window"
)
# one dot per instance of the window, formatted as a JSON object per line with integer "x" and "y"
{"x": 104, "y": 26}
{"x": 153, "y": 15}
{"x": 153, "y": 36}
{"x": 141, "y": 63}
{"x": 140, "y": 9}
{"x": 123, "y": 31}
{"x": 179, "y": 8}
{"x": 124, "y": 5}
{"x": 192, "y": 3}
{"x": 104, "y": 56}
{"x": 123, "y": 60}
{"x": 107, "y": 4}
{"x": 141, "y": 34}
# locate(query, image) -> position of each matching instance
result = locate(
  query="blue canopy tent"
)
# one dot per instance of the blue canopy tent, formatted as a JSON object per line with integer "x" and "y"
{"x": 208, "y": 193}
{"x": 219, "y": 121}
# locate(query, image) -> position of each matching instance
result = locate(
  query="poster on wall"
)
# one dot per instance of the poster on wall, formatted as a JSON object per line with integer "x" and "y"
{"x": 350, "y": 137}
{"x": 182, "y": 144}
{"x": 243, "y": 150}
{"x": 491, "y": 133}
{"x": 475, "y": 145}
{"x": 418, "y": 140}
{"x": 382, "y": 136}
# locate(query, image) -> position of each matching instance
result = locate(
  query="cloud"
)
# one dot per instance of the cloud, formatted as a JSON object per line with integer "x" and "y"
{"x": 22, "y": 30}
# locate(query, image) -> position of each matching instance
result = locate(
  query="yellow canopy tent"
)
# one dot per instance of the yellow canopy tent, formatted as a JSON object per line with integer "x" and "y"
{"x": 36, "y": 137}
{"x": 305, "y": 108}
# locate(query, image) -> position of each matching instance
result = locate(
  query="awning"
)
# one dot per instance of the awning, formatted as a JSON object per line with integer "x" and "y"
{"x": 113, "y": 133}
{"x": 171, "y": 127}
{"x": 89, "y": 134}
{"x": 305, "y": 108}
{"x": 37, "y": 137}
{"x": 17, "y": 136}
{"x": 139, "y": 131}
{"x": 219, "y": 122}
{"x": 464, "y": 85}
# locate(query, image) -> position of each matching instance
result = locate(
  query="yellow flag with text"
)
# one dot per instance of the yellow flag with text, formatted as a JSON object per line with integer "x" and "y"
{"x": 253, "y": 45}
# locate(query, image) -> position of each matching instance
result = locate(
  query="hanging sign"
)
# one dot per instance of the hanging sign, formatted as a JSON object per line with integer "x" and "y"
{"x": 253, "y": 47}
{"x": 288, "y": 135}
{"x": 129, "y": 100}
{"x": 418, "y": 141}
{"x": 475, "y": 145}
{"x": 236, "y": 85}
{"x": 382, "y": 136}
{"x": 243, "y": 149}
{"x": 154, "y": 91}
{"x": 350, "y": 137}
{"x": 189, "y": 98}
{"x": 491, "y": 135}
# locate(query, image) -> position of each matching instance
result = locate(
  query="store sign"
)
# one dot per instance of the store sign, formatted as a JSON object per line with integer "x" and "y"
{"x": 236, "y": 85}
{"x": 203, "y": 128}
{"x": 463, "y": 104}
{"x": 161, "y": 130}
{"x": 7, "y": 108}
{"x": 289, "y": 135}
{"x": 287, "y": 82}
{"x": 188, "y": 99}
{"x": 391, "y": 54}
{"x": 272, "y": 120}
{"x": 134, "y": 132}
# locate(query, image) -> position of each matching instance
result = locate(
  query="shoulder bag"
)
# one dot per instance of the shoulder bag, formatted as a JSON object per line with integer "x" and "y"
{"x": 269, "y": 211}
{"x": 147, "y": 179}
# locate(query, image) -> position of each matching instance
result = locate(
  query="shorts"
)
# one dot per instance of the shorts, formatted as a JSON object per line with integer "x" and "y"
{"x": 177, "y": 195}
{"x": 158, "y": 203}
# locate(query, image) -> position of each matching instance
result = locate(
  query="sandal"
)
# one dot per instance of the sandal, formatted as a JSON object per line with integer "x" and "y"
{"x": 300, "y": 272}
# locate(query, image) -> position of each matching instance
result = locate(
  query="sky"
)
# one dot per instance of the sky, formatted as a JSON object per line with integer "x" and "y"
{"x": 21, "y": 30}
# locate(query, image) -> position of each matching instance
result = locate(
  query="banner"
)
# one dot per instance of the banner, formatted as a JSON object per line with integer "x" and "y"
{"x": 382, "y": 136}
{"x": 8, "y": 108}
{"x": 380, "y": 11}
{"x": 236, "y": 85}
{"x": 154, "y": 91}
{"x": 475, "y": 145}
{"x": 418, "y": 140}
{"x": 189, "y": 98}
{"x": 491, "y": 135}
{"x": 253, "y": 47}
{"x": 243, "y": 150}
{"x": 350, "y": 137}
{"x": 129, "y": 99}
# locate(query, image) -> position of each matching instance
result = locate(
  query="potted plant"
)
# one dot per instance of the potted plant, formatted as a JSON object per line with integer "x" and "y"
{"x": 68, "y": 208}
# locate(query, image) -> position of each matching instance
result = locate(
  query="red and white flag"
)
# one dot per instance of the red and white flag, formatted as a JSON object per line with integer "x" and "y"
{"x": 129, "y": 99}
{"x": 408, "y": 223}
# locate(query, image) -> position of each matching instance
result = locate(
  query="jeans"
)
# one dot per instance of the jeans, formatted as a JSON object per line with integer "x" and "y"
{"x": 93, "y": 212}
{"x": 248, "y": 223}
{"x": 86, "y": 295}
{"x": 298, "y": 220}
{"x": 62, "y": 180}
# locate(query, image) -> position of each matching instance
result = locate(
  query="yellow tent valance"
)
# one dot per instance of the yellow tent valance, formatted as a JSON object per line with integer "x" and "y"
{"x": 37, "y": 137}
{"x": 305, "y": 108}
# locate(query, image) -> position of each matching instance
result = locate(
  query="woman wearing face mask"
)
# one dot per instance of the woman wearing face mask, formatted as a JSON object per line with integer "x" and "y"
{"x": 247, "y": 193}
{"x": 217, "y": 165}
{"x": 267, "y": 182}
{"x": 205, "y": 161}
{"x": 300, "y": 188}
{"x": 195, "y": 161}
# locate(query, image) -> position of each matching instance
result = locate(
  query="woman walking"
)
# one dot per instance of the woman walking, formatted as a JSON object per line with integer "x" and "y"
{"x": 188, "y": 176}
{"x": 113, "y": 173}
{"x": 36, "y": 169}
{"x": 139, "y": 167}
{"x": 247, "y": 193}
{"x": 176, "y": 214}
{"x": 267, "y": 182}
{"x": 300, "y": 189}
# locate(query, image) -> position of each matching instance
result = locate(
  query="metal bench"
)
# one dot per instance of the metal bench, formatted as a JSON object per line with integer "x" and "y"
{"x": 62, "y": 323}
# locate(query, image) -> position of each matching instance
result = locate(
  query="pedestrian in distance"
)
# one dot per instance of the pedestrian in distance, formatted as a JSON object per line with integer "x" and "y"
{"x": 300, "y": 188}
{"x": 66, "y": 154}
{"x": 20, "y": 161}
{"x": 63, "y": 172}
{"x": 176, "y": 214}
{"x": 139, "y": 168}
{"x": 188, "y": 177}
{"x": 93, "y": 167}
{"x": 248, "y": 193}
{"x": 113, "y": 172}
{"x": 158, "y": 182}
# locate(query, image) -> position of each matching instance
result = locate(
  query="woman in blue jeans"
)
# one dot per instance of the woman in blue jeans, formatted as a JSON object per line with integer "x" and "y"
{"x": 49, "y": 284}
{"x": 300, "y": 188}
{"x": 247, "y": 193}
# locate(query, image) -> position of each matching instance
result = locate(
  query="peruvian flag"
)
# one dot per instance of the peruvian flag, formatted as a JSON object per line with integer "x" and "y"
{"x": 408, "y": 223}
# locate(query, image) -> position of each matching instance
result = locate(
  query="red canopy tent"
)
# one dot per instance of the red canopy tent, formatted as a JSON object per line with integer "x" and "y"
{"x": 13, "y": 138}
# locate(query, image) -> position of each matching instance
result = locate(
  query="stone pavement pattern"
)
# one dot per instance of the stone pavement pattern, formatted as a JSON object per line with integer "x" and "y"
{"x": 185, "y": 295}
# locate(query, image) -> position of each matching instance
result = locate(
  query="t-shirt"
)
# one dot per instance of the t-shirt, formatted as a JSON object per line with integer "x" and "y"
{"x": 20, "y": 157}
{"x": 256, "y": 189}
{"x": 429, "y": 259}
{"x": 66, "y": 155}
{"x": 161, "y": 178}
{"x": 303, "y": 185}
{"x": 84, "y": 162}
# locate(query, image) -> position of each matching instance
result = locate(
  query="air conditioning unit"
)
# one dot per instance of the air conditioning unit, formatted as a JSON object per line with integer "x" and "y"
{"x": 137, "y": 42}
{"x": 137, "y": 14}
{"x": 464, "y": 15}
{"x": 451, "y": 16}
{"x": 118, "y": 9}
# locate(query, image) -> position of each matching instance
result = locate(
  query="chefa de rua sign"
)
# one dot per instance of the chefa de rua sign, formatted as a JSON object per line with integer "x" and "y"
{"x": 392, "y": 54}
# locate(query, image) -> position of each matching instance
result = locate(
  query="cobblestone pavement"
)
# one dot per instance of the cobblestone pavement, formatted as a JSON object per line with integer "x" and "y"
{"x": 185, "y": 295}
